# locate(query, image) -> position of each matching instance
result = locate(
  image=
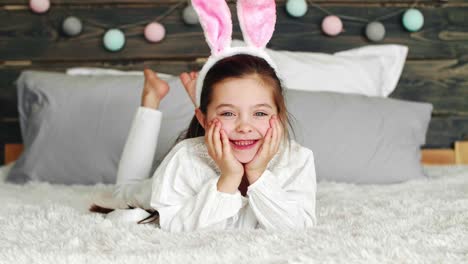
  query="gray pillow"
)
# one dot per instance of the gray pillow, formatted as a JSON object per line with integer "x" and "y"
{"x": 360, "y": 139}
{"x": 74, "y": 128}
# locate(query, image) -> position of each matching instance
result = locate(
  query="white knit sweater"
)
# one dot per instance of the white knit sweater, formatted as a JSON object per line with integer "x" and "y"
{"x": 183, "y": 188}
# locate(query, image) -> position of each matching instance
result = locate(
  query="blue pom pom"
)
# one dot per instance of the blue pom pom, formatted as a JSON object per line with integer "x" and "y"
{"x": 296, "y": 8}
{"x": 413, "y": 20}
{"x": 114, "y": 39}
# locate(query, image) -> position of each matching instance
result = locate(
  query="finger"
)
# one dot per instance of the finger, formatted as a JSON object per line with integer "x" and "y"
{"x": 208, "y": 138}
{"x": 217, "y": 141}
{"x": 277, "y": 138}
{"x": 226, "y": 144}
{"x": 261, "y": 149}
{"x": 266, "y": 142}
{"x": 263, "y": 152}
{"x": 274, "y": 133}
{"x": 268, "y": 136}
{"x": 279, "y": 128}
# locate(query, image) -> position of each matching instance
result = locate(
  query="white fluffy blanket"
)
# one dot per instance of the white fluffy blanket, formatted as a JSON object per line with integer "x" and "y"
{"x": 414, "y": 222}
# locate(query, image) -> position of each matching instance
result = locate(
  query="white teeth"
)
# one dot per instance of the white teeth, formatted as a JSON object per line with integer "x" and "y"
{"x": 244, "y": 142}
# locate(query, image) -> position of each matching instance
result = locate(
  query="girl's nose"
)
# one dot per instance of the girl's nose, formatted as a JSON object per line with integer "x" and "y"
{"x": 244, "y": 127}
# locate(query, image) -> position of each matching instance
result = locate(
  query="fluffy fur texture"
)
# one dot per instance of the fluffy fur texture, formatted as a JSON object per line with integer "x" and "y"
{"x": 257, "y": 19}
{"x": 215, "y": 19}
{"x": 231, "y": 52}
{"x": 423, "y": 221}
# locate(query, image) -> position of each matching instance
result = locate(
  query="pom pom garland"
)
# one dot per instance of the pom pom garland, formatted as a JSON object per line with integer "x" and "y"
{"x": 332, "y": 25}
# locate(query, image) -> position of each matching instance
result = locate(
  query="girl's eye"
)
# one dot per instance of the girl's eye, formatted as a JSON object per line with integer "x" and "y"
{"x": 261, "y": 114}
{"x": 227, "y": 114}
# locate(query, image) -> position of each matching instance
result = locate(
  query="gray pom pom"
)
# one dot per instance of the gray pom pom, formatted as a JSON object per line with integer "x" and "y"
{"x": 72, "y": 26}
{"x": 190, "y": 16}
{"x": 375, "y": 31}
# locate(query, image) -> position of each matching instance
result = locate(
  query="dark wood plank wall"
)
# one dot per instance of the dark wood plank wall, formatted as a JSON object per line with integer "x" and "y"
{"x": 436, "y": 70}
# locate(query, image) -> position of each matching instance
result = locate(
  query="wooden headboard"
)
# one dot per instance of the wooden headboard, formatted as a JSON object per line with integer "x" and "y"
{"x": 436, "y": 70}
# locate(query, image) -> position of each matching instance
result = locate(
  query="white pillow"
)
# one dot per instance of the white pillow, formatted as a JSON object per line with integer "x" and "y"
{"x": 104, "y": 71}
{"x": 372, "y": 70}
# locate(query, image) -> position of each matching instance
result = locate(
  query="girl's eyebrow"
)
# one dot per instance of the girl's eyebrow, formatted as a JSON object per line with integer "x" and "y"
{"x": 225, "y": 105}
{"x": 233, "y": 106}
{"x": 265, "y": 105}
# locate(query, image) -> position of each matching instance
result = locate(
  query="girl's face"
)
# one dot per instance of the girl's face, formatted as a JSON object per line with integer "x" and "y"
{"x": 244, "y": 106}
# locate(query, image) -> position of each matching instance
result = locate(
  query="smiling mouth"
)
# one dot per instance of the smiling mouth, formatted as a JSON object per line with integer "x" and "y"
{"x": 243, "y": 144}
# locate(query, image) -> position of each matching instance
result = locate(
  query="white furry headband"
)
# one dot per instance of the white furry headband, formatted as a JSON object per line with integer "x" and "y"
{"x": 257, "y": 20}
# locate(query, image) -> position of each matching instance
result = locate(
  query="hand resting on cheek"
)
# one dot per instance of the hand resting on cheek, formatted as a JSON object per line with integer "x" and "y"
{"x": 269, "y": 147}
{"x": 220, "y": 150}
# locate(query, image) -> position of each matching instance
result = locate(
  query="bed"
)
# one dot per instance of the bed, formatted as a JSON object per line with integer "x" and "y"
{"x": 415, "y": 220}
{"x": 420, "y": 221}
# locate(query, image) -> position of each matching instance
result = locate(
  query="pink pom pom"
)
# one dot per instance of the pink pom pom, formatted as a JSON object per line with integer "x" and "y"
{"x": 39, "y": 6}
{"x": 332, "y": 25}
{"x": 154, "y": 32}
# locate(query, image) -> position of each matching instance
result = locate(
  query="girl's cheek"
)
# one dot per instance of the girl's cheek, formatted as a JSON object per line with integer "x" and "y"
{"x": 263, "y": 128}
{"x": 212, "y": 118}
{"x": 227, "y": 126}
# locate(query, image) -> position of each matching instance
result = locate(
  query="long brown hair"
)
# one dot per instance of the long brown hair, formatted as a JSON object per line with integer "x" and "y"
{"x": 238, "y": 66}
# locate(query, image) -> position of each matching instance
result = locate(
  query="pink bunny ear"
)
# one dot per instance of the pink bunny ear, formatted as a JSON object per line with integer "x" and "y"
{"x": 257, "y": 20}
{"x": 215, "y": 18}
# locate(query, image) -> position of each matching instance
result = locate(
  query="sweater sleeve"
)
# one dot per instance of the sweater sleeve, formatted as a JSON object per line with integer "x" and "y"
{"x": 286, "y": 207}
{"x": 137, "y": 157}
{"x": 185, "y": 201}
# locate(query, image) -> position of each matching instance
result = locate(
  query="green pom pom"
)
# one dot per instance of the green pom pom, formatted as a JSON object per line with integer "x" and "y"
{"x": 114, "y": 39}
{"x": 296, "y": 8}
{"x": 413, "y": 20}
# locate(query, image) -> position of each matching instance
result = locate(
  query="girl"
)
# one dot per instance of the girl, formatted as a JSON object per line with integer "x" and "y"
{"x": 234, "y": 169}
{"x": 236, "y": 166}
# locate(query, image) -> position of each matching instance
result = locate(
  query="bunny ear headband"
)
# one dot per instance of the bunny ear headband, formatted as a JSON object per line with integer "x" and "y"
{"x": 257, "y": 20}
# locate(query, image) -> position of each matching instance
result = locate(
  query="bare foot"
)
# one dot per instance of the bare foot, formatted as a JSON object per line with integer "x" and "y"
{"x": 154, "y": 89}
{"x": 189, "y": 81}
